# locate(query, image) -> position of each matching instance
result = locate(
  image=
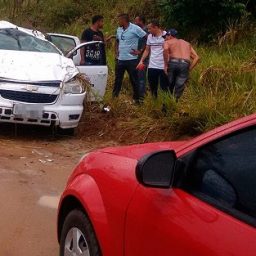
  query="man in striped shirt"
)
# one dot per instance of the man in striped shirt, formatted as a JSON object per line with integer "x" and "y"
{"x": 154, "y": 49}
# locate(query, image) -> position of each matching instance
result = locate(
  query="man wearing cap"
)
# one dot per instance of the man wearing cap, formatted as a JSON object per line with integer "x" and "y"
{"x": 179, "y": 59}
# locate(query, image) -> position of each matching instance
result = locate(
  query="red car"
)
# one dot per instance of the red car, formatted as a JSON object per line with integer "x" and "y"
{"x": 194, "y": 197}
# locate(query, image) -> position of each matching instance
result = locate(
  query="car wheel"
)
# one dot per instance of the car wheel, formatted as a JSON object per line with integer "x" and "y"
{"x": 69, "y": 131}
{"x": 78, "y": 237}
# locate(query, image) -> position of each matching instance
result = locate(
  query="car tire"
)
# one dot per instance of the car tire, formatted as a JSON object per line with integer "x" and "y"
{"x": 67, "y": 132}
{"x": 77, "y": 223}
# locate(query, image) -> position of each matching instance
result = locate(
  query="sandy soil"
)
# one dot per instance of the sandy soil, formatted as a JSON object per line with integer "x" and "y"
{"x": 33, "y": 173}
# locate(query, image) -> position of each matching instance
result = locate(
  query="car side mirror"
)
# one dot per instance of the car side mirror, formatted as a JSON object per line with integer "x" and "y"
{"x": 71, "y": 57}
{"x": 157, "y": 169}
{"x": 74, "y": 53}
{"x": 71, "y": 54}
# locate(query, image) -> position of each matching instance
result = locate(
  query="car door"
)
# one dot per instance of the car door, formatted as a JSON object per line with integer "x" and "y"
{"x": 210, "y": 211}
{"x": 66, "y": 43}
{"x": 97, "y": 72}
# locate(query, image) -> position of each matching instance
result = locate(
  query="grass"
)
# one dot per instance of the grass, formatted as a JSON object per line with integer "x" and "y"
{"x": 221, "y": 88}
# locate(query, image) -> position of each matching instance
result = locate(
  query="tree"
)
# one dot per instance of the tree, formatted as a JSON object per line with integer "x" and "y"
{"x": 205, "y": 17}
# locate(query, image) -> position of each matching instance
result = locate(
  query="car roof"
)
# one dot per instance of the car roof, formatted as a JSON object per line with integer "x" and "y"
{"x": 6, "y": 24}
{"x": 217, "y": 133}
{"x": 64, "y": 35}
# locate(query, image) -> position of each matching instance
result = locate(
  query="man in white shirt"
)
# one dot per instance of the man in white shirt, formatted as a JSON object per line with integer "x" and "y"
{"x": 154, "y": 48}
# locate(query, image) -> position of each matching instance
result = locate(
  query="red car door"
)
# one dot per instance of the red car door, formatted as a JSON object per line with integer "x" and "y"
{"x": 212, "y": 212}
{"x": 171, "y": 222}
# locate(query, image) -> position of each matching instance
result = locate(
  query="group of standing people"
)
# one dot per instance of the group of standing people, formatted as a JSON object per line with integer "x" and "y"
{"x": 146, "y": 51}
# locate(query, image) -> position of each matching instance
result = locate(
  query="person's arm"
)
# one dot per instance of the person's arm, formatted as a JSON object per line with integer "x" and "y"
{"x": 84, "y": 39}
{"x": 82, "y": 53}
{"x": 142, "y": 35}
{"x": 195, "y": 58}
{"x": 166, "y": 57}
{"x": 142, "y": 44}
{"x": 117, "y": 48}
{"x": 144, "y": 56}
{"x": 109, "y": 38}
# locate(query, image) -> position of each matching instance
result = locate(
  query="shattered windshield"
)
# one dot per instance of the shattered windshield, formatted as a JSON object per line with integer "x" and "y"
{"x": 13, "y": 39}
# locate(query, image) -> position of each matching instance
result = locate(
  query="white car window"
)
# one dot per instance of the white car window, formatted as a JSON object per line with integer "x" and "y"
{"x": 65, "y": 44}
{"x": 8, "y": 43}
{"x": 13, "y": 39}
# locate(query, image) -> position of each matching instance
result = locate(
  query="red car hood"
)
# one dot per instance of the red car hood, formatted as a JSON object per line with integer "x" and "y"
{"x": 138, "y": 151}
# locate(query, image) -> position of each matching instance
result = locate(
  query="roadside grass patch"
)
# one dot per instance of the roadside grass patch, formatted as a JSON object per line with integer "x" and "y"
{"x": 220, "y": 89}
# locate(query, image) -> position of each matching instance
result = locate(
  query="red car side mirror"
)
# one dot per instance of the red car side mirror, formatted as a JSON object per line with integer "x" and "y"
{"x": 157, "y": 169}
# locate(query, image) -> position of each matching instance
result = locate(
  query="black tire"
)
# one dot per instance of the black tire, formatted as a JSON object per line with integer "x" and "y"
{"x": 77, "y": 219}
{"x": 67, "y": 132}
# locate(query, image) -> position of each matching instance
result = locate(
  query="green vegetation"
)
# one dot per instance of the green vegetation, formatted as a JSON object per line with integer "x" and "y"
{"x": 212, "y": 17}
{"x": 71, "y": 16}
{"x": 221, "y": 88}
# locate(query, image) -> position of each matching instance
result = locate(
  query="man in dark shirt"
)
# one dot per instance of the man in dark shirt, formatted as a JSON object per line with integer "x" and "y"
{"x": 94, "y": 54}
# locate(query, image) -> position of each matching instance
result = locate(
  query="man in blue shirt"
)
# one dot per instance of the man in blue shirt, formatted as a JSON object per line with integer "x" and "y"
{"x": 127, "y": 40}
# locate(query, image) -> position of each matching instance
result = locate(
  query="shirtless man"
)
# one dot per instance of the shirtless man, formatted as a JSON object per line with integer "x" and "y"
{"x": 179, "y": 59}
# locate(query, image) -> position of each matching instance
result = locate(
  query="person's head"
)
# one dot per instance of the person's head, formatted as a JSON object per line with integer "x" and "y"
{"x": 171, "y": 33}
{"x": 123, "y": 19}
{"x": 154, "y": 27}
{"x": 140, "y": 21}
{"x": 98, "y": 21}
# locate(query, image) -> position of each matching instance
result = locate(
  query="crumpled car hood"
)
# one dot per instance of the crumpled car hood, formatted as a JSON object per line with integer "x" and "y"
{"x": 35, "y": 66}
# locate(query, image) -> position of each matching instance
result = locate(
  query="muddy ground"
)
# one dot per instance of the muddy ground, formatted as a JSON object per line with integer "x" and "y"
{"x": 33, "y": 173}
{"x": 35, "y": 165}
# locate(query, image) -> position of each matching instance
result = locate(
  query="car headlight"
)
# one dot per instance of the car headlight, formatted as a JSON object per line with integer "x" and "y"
{"x": 73, "y": 86}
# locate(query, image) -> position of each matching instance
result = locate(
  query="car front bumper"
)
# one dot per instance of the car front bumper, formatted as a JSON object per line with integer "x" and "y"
{"x": 66, "y": 112}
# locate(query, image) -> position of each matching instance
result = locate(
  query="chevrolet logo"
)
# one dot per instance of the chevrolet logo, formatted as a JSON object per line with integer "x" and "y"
{"x": 30, "y": 88}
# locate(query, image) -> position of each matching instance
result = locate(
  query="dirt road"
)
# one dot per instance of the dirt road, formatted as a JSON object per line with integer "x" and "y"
{"x": 33, "y": 173}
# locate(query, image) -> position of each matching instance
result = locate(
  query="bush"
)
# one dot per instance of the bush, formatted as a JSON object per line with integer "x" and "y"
{"x": 205, "y": 18}
{"x": 58, "y": 14}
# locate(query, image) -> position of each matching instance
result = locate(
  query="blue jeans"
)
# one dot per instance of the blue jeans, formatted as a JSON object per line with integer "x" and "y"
{"x": 130, "y": 67}
{"x": 178, "y": 75}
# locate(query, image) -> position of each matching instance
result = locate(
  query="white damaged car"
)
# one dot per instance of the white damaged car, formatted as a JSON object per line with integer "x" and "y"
{"x": 38, "y": 85}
